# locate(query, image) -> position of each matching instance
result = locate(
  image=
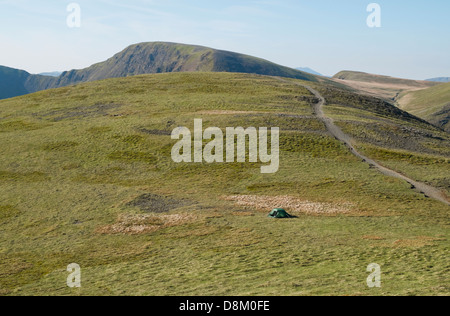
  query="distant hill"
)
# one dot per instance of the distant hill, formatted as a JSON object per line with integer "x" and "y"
{"x": 428, "y": 100}
{"x": 385, "y": 87}
{"x": 440, "y": 79}
{"x": 149, "y": 58}
{"x": 309, "y": 70}
{"x": 51, "y": 74}
{"x": 432, "y": 104}
{"x": 15, "y": 82}
{"x": 159, "y": 57}
{"x": 12, "y": 82}
{"x": 366, "y": 77}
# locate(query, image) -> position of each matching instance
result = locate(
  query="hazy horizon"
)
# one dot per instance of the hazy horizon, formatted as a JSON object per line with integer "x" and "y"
{"x": 325, "y": 36}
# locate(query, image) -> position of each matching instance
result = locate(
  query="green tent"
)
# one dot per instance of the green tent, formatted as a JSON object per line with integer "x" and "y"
{"x": 280, "y": 213}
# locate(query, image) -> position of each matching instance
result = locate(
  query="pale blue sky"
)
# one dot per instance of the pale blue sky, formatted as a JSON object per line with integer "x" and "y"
{"x": 326, "y": 35}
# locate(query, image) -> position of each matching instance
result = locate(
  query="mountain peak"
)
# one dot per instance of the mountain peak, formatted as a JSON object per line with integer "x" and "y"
{"x": 155, "y": 57}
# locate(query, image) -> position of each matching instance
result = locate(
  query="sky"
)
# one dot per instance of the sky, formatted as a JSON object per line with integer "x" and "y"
{"x": 325, "y": 35}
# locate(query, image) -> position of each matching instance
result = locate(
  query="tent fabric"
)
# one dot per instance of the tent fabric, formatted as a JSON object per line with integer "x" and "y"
{"x": 279, "y": 213}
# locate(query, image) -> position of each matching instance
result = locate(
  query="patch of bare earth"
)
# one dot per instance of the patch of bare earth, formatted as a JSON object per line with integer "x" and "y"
{"x": 291, "y": 204}
{"x": 152, "y": 203}
{"x": 145, "y": 223}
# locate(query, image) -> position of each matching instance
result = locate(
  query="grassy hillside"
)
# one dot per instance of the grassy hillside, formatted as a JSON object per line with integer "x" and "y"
{"x": 366, "y": 77}
{"x": 432, "y": 104}
{"x": 149, "y": 58}
{"x": 384, "y": 87}
{"x": 86, "y": 177}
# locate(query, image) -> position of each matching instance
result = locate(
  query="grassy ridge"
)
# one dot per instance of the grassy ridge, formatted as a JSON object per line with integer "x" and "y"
{"x": 79, "y": 162}
{"x": 366, "y": 77}
{"x": 431, "y": 104}
{"x": 383, "y": 87}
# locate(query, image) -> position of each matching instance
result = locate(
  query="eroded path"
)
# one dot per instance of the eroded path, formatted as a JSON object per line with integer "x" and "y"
{"x": 334, "y": 130}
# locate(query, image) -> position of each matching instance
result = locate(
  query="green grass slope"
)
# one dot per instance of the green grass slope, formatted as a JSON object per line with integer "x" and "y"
{"x": 432, "y": 104}
{"x": 86, "y": 176}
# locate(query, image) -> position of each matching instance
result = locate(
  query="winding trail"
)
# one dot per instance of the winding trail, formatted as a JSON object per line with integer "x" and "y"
{"x": 334, "y": 130}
